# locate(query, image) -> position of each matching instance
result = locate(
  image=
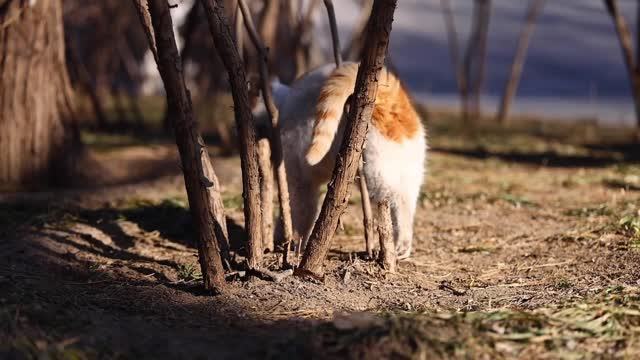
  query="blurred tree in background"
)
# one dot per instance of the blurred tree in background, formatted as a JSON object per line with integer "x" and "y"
{"x": 38, "y": 136}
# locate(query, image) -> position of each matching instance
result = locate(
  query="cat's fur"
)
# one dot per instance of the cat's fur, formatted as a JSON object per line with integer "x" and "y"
{"x": 312, "y": 125}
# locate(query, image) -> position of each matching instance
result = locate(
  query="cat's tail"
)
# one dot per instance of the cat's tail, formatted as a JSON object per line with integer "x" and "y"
{"x": 333, "y": 95}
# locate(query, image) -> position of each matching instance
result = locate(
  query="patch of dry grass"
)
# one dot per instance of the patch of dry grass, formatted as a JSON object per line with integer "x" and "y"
{"x": 608, "y": 325}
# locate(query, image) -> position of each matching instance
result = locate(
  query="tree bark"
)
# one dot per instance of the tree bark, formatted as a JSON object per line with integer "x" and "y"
{"x": 37, "y": 136}
{"x": 223, "y": 39}
{"x": 274, "y": 133}
{"x": 519, "y": 59}
{"x": 624, "y": 36}
{"x": 203, "y": 189}
{"x": 338, "y": 192}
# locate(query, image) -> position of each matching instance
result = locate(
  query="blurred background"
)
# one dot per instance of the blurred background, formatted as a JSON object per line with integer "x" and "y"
{"x": 548, "y": 68}
{"x": 574, "y": 66}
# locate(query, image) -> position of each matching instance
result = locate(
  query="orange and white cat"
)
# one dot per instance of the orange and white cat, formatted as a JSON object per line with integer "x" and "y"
{"x": 312, "y": 124}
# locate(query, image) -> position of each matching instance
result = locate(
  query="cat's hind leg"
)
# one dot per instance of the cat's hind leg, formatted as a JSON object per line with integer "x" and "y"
{"x": 304, "y": 197}
{"x": 403, "y": 210}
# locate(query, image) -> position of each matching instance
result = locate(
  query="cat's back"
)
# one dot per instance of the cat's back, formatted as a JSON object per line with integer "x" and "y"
{"x": 300, "y": 101}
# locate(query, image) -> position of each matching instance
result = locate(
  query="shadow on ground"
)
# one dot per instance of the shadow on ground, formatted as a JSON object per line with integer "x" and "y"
{"x": 600, "y": 156}
{"x": 77, "y": 283}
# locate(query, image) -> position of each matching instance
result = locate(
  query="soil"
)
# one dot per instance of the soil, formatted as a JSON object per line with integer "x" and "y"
{"x": 108, "y": 269}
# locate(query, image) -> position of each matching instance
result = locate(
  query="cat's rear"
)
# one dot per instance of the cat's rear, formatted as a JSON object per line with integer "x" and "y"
{"x": 312, "y": 127}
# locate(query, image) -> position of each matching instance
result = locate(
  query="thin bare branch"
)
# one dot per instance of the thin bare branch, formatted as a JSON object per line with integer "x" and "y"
{"x": 452, "y": 36}
{"x": 624, "y": 36}
{"x": 519, "y": 59}
{"x": 334, "y": 32}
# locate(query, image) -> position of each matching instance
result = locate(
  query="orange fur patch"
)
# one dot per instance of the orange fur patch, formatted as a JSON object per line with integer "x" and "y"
{"x": 322, "y": 115}
{"x": 393, "y": 114}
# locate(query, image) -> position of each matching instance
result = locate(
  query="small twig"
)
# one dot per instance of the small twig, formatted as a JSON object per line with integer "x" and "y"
{"x": 226, "y": 47}
{"x": 387, "y": 258}
{"x": 545, "y": 265}
{"x": 445, "y": 286}
{"x": 205, "y": 203}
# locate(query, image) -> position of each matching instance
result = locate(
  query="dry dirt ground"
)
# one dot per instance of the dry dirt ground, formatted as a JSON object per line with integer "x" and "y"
{"x": 527, "y": 245}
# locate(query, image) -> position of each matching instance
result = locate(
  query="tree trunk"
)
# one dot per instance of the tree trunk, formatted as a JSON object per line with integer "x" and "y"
{"x": 518, "y": 60}
{"x": 474, "y": 59}
{"x": 367, "y": 220}
{"x": 203, "y": 189}
{"x": 468, "y": 61}
{"x": 223, "y": 39}
{"x": 37, "y": 136}
{"x": 266, "y": 193}
{"x": 484, "y": 16}
{"x": 275, "y": 142}
{"x": 84, "y": 78}
{"x": 624, "y": 35}
{"x": 456, "y": 64}
{"x": 190, "y": 27}
{"x": 338, "y": 192}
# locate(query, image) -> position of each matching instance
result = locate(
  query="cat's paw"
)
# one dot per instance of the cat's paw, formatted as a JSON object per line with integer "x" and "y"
{"x": 403, "y": 252}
